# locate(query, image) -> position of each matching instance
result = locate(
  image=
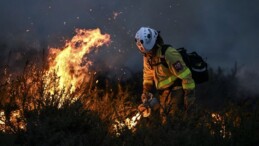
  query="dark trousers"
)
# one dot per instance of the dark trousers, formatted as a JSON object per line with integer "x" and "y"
{"x": 171, "y": 102}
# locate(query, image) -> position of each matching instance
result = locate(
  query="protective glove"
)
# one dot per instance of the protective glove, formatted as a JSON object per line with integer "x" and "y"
{"x": 146, "y": 96}
{"x": 189, "y": 99}
{"x": 149, "y": 104}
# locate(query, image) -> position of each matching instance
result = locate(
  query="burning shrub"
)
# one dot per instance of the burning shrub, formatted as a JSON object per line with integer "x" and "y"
{"x": 67, "y": 104}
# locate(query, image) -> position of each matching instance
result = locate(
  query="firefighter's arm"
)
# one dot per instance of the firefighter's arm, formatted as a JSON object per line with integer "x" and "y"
{"x": 147, "y": 79}
{"x": 178, "y": 67}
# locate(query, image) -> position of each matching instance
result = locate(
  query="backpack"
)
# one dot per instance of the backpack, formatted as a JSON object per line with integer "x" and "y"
{"x": 193, "y": 61}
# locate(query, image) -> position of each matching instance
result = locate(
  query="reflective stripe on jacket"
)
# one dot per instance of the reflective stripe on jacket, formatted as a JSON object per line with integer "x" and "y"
{"x": 164, "y": 77}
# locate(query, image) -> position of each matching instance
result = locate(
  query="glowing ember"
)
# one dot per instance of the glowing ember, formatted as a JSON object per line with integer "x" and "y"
{"x": 2, "y": 121}
{"x": 116, "y": 14}
{"x": 15, "y": 119}
{"x": 71, "y": 64}
{"x": 217, "y": 119}
{"x": 128, "y": 123}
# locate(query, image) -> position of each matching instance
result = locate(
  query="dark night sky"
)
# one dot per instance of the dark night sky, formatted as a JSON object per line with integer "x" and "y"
{"x": 223, "y": 31}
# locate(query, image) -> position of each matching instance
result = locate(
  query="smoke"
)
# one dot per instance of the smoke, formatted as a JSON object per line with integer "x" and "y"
{"x": 248, "y": 80}
{"x": 222, "y": 31}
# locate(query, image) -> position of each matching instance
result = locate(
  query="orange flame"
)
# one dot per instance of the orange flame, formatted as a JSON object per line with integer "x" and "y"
{"x": 127, "y": 123}
{"x": 69, "y": 63}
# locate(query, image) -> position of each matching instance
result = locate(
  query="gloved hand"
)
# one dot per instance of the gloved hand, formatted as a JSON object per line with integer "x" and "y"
{"x": 146, "y": 96}
{"x": 189, "y": 99}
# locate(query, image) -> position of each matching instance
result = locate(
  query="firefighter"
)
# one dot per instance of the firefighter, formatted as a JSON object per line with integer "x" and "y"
{"x": 174, "y": 83}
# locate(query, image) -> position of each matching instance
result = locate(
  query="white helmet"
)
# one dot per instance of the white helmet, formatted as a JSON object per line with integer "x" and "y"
{"x": 145, "y": 39}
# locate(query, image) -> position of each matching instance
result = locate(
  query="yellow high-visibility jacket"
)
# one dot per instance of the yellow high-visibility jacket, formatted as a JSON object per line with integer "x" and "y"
{"x": 164, "y": 77}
